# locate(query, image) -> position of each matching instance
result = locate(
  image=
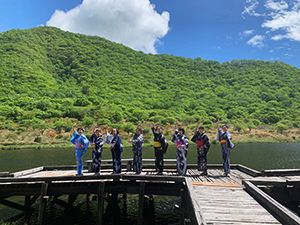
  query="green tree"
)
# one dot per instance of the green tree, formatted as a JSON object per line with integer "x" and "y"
{"x": 280, "y": 127}
{"x": 129, "y": 128}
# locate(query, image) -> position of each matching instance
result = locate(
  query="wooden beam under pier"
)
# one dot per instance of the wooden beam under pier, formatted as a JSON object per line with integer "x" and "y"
{"x": 100, "y": 203}
{"x": 285, "y": 215}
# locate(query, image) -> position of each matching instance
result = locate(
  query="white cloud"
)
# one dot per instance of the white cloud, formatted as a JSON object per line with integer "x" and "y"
{"x": 245, "y": 33}
{"x": 217, "y": 48}
{"x": 282, "y": 19}
{"x": 251, "y": 9}
{"x": 271, "y": 5}
{"x": 134, "y": 23}
{"x": 256, "y": 41}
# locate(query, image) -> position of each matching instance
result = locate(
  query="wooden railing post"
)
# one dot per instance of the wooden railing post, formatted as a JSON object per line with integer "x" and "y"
{"x": 43, "y": 202}
{"x": 100, "y": 202}
{"x": 141, "y": 202}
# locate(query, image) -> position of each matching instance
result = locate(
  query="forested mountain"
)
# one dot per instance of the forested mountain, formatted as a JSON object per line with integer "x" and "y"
{"x": 48, "y": 73}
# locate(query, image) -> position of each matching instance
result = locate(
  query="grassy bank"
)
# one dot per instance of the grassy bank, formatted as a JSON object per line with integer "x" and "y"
{"x": 10, "y": 140}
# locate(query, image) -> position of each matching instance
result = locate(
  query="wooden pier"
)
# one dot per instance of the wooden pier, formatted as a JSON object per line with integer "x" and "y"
{"x": 247, "y": 197}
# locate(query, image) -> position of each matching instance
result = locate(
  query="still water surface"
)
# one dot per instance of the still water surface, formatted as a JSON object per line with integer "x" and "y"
{"x": 257, "y": 156}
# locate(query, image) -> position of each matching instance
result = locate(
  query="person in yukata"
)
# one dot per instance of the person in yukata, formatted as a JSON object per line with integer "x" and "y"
{"x": 116, "y": 148}
{"x": 203, "y": 144}
{"x": 226, "y": 146}
{"x": 182, "y": 147}
{"x": 159, "y": 145}
{"x": 96, "y": 141}
{"x": 137, "y": 148}
{"x": 81, "y": 146}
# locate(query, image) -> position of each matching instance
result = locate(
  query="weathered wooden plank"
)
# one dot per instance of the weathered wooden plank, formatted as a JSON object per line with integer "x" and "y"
{"x": 4, "y": 174}
{"x": 26, "y": 172}
{"x": 195, "y": 212}
{"x": 281, "y": 172}
{"x": 283, "y": 213}
{"x": 248, "y": 170}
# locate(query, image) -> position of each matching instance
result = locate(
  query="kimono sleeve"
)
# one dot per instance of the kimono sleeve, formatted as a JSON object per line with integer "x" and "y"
{"x": 174, "y": 138}
{"x": 153, "y": 131}
{"x": 219, "y": 135}
{"x": 195, "y": 137}
{"x": 230, "y": 144}
{"x": 85, "y": 142}
{"x": 186, "y": 141}
{"x": 74, "y": 137}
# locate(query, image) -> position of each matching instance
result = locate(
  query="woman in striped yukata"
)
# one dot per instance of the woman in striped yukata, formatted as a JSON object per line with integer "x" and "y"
{"x": 182, "y": 147}
{"x": 137, "y": 148}
{"x": 226, "y": 146}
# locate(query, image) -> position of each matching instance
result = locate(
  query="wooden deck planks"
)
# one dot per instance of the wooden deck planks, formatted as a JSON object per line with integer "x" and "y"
{"x": 225, "y": 205}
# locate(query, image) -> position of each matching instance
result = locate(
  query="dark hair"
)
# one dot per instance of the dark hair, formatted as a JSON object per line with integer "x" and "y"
{"x": 98, "y": 130}
{"x": 80, "y": 128}
{"x": 225, "y": 126}
{"x": 181, "y": 129}
{"x": 201, "y": 127}
{"x": 159, "y": 126}
{"x": 116, "y": 130}
{"x": 140, "y": 130}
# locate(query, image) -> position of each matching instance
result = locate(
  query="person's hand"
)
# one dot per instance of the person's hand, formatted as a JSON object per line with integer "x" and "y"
{"x": 129, "y": 141}
{"x": 201, "y": 147}
{"x": 95, "y": 126}
{"x": 179, "y": 146}
{"x": 111, "y": 147}
{"x": 198, "y": 122}
{"x": 153, "y": 124}
{"x": 176, "y": 122}
{"x": 74, "y": 123}
{"x": 92, "y": 143}
{"x": 160, "y": 149}
{"x": 219, "y": 120}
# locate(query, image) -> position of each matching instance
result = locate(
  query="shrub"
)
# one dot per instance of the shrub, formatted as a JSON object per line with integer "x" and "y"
{"x": 59, "y": 136}
{"x": 38, "y": 139}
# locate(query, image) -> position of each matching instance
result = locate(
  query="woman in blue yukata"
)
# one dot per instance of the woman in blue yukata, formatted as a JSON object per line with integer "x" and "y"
{"x": 81, "y": 146}
{"x": 226, "y": 146}
{"x": 96, "y": 141}
{"x": 116, "y": 148}
{"x": 182, "y": 147}
{"x": 137, "y": 148}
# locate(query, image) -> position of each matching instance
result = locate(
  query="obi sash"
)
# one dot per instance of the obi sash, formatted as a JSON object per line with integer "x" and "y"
{"x": 223, "y": 142}
{"x": 157, "y": 144}
{"x": 180, "y": 143}
{"x": 200, "y": 143}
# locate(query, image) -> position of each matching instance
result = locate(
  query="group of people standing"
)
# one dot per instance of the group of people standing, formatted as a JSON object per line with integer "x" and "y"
{"x": 160, "y": 148}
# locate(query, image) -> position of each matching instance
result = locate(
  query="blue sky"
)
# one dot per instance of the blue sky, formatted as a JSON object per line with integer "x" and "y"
{"x": 220, "y": 30}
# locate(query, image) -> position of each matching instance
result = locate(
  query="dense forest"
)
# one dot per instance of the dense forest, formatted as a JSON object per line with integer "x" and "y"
{"x": 50, "y": 75}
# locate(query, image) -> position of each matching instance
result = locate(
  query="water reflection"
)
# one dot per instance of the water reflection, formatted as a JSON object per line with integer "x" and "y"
{"x": 258, "y": 156}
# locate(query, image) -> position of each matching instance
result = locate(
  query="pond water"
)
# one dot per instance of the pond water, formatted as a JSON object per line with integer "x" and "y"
{"x": 258, "y": 156}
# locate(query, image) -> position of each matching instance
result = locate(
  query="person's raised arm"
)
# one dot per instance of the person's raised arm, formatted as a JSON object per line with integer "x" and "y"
{"x": 74, "y": 123}
{"x": 218, "y": 123}
{"x": 197, "y": 126}
{"x": 153, "y": 129}
{"x": 94, "y": 128}
{"x": 176, "y": 124}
